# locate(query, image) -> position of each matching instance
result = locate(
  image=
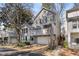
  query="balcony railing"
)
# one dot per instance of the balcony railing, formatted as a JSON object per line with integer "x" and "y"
{"x": 38, "y": 33}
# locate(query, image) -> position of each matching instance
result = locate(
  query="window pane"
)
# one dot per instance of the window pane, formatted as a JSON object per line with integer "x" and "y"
{"x": 74, "y": 25}
{"x": 26, "y": 30}
{"x": 77, "y": 40}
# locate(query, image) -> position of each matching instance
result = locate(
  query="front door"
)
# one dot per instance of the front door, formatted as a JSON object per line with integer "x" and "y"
{"x": 0, "y": 40}
{"x": 26, "y": 38}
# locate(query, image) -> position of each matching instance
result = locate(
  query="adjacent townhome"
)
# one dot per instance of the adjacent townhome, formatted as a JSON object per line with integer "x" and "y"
{"x": 7, "y": 36}
{"x": 72, "y": 17}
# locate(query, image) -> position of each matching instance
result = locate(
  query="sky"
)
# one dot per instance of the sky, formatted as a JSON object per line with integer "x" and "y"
{"x": 68, "y": 6}
{"x": 37, "y": 8}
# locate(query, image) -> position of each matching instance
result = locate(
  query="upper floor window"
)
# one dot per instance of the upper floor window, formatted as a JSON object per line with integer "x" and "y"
{"x": 45, "y": 19}
{"x": 36, "y": 22}
{"x": 78, "y": 24}
{"x": 23, "y": 30}
{"x": 77, "y": 40}
{"x": 74, "y": 26}
{"x": 40, "y": 21}
{"x": 26, "y": 30}
{"x": 44, "y": 11}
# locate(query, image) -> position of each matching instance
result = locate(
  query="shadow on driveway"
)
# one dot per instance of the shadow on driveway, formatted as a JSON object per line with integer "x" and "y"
{"x": 24, "y": 53}
{"x": 14, "y": 52}
{"x": 7, "y": 49}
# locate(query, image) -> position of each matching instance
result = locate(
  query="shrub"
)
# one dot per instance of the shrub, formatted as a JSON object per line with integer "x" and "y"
{"x": 21, "y": 44}
{"x": 27, "y": 43}
{"x": 65, "y": 44}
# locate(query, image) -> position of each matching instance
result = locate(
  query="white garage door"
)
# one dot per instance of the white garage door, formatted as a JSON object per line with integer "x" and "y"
{"x": 43, "y": 40}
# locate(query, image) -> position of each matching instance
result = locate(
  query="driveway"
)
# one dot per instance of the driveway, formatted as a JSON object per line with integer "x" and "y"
{"x": 14, "y": 52}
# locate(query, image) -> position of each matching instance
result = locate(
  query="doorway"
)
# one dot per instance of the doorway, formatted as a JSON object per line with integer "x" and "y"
{"x": 5, "y": 40}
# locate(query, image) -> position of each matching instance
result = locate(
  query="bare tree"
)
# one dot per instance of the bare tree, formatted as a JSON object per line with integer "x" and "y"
{"x": 58, "y": 9}
{"x": 15, "y": 15}
{"x": 76, "y": 5}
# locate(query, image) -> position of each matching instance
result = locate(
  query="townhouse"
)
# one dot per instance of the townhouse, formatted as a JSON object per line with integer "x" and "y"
{"x": 7, "y": 36}
{"x": 72, "y": 17}
{"x": 46, "y": 26}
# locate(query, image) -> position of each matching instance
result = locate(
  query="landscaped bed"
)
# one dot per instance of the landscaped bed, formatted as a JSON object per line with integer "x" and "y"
{"x": 62, "y": 52}
{"x": 69, "y": 52}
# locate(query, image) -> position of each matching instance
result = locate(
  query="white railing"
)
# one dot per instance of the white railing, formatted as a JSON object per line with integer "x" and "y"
{"x": 38, "y": 33}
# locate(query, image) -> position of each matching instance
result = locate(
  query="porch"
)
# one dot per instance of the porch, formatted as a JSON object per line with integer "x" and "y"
{"x": 74, "y": 41}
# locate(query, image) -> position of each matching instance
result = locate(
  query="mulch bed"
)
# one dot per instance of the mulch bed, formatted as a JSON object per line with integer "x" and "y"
{"x": 69, "y": 52}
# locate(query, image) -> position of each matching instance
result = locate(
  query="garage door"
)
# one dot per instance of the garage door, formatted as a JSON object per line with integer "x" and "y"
{"x": 43, "y": 40}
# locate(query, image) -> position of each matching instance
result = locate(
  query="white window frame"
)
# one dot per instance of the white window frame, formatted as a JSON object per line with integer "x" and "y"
{"x": 74, "y": 24}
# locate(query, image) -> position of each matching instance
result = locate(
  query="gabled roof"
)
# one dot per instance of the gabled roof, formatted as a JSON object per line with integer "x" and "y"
{"x": 72, "y": 9}
{"x": 42, "y": 10}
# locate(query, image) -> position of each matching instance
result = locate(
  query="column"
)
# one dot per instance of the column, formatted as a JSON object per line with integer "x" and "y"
{"x": 69, "y": 40}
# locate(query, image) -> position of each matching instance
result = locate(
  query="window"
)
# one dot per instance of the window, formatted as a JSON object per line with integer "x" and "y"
{"x": 44, "y": 11}
{"x": 40, "y": 21}
{"x": 36, "y": 22}
{"x": 78, "y": 24}
{"x": 26, "y": 38}
{"x": 77, "y": 40}
{"x": 32, "y": 39}
{"x": 22, "y": 31}
{"x": 26, "y": 30}
{"x": 45, "y": 19}
{"x": 74, "y": 25}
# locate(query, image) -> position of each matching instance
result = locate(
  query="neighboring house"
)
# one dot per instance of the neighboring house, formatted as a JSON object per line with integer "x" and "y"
{"x": 72, "y": 16}
{"x": 7, "y": 36}
{"x": 46, "y": 23}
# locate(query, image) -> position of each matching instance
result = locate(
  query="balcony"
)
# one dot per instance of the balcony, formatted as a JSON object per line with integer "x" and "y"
{"x": 38, "y": 32}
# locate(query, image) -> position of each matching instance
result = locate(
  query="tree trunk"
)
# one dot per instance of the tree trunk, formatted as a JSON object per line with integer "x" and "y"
{"x": 18, "y": 35}
{"x": 51, "y": 41}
